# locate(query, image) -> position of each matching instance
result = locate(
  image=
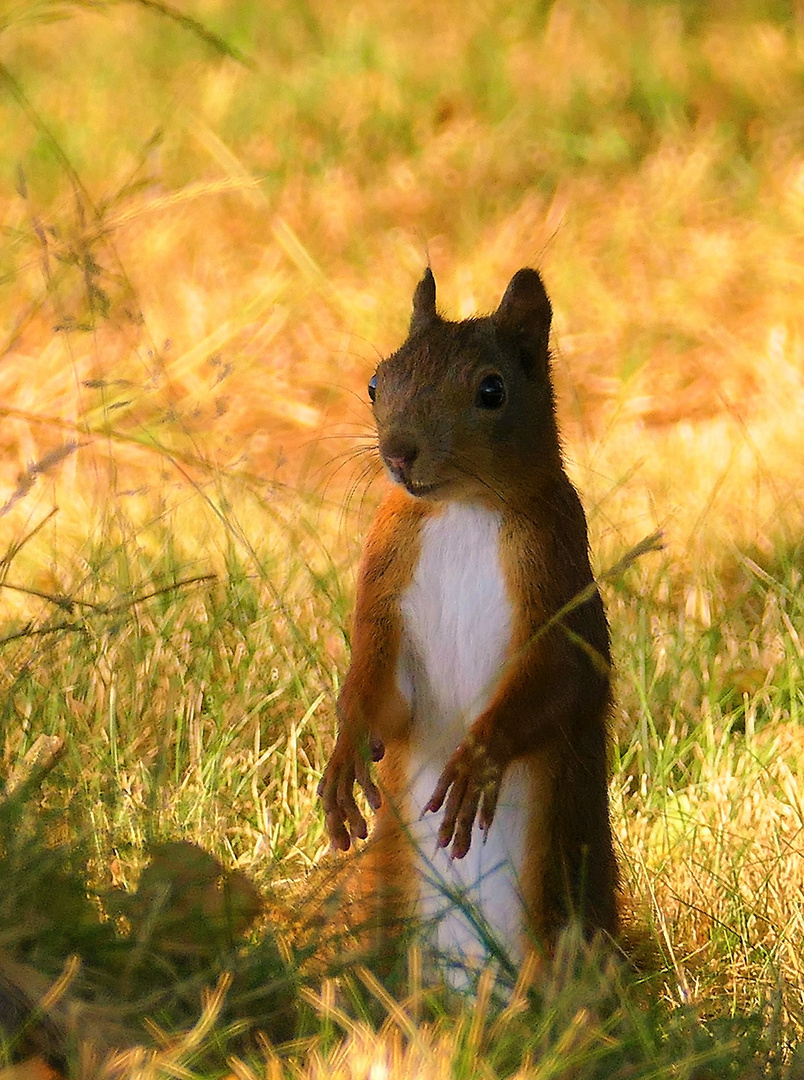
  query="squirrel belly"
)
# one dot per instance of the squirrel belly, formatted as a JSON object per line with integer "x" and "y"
{"x": 481, "y": 664}
{"x": 463, "y": 902}
{"x": 457, "y": 622}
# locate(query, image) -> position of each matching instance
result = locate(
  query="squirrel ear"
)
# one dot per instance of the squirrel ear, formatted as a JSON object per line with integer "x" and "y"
{"x": 424, "y": 303}
{"x": 525, "y": 313}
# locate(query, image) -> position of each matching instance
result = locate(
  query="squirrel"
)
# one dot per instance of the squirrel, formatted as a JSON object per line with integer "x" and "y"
{"x": 480, "y": 675}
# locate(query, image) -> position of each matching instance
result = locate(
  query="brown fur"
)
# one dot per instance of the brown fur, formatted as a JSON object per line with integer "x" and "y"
{"x": 552, "y": 703}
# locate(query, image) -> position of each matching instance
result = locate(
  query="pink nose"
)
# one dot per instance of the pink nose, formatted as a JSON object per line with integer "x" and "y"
{"x": 399, "y": 464}
{"x": 400, "y": 455}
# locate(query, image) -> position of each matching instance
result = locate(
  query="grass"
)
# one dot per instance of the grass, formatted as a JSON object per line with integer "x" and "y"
{"x": 206, "y": 242}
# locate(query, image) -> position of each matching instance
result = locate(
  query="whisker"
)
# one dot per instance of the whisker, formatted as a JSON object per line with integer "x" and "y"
{"x": 341, "y": 435}
{"x": 354, "y": 394}
{"x": 316, "y": 440}
{"x": 340, "y": 462}
{"x": 357, "y": 447}
{"x": 369, "y": 471}
{"x": 375, "y": 469}
{"x": 359, "y": 356}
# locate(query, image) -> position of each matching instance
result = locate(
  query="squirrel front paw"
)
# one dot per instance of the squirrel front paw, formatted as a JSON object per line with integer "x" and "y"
{"x": 347, "y": 766}
{"x": 471, "y": 779}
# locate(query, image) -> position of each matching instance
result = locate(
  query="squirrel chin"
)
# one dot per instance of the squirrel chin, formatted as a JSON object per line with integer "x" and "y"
{"x": 421, "y": 491}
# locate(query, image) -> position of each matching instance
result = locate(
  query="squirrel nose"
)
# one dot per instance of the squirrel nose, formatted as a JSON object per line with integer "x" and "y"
{"x": 399, "y": 457}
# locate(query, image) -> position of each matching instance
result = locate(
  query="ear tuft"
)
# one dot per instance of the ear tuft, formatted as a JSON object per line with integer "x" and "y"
{"x": 525, "y": 313}
{"x": 424, "y": 303}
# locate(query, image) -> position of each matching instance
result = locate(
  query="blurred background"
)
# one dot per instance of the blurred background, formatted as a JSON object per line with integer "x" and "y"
{"x": 214, "y": 214}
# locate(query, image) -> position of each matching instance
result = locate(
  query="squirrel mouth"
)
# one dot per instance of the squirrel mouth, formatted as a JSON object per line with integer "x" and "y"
{"x": 399, "y": 472}
{"x": 420, "y": 491}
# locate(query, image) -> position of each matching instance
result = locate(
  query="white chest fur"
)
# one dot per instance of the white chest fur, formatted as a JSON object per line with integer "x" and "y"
{"x": 457, "y": 620}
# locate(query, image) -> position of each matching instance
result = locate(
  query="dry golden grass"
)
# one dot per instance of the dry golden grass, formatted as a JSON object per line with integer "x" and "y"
{"x": 678, "y": 328}
{"x": 184, "y": 360}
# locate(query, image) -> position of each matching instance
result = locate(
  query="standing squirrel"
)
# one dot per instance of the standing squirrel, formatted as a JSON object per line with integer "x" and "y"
{"x": 480, "y": 674}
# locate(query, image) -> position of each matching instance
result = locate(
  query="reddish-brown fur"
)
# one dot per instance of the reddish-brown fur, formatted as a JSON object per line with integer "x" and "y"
{"x": 551, "y": 705}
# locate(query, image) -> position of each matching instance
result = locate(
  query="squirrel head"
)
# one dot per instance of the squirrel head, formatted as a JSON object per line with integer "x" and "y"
{"x": 465, "y": 410}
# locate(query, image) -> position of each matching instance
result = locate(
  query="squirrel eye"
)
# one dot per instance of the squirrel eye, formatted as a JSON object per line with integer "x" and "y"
{"x": 372, "y": 388}
{"x": 491, "y": 392}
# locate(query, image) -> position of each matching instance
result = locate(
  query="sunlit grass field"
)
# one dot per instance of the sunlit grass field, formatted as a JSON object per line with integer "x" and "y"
{"x": 213, "y": 217}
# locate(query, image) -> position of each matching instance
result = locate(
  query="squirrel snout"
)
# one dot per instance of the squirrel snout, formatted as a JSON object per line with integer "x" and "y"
{"x": 399, "y": 455}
